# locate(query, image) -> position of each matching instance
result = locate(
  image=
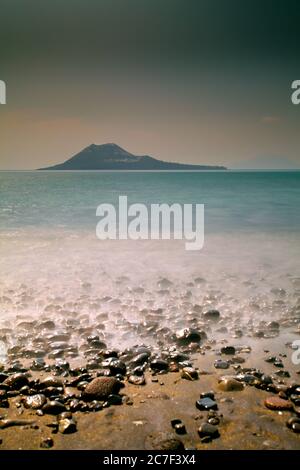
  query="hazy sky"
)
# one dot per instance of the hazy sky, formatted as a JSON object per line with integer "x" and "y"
{"x": 198, "y": 81}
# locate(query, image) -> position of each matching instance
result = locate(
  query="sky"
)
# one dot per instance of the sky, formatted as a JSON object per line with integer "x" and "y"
{"x": 193, "y": 81}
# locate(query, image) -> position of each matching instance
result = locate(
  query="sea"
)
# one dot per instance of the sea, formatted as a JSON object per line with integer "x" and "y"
{"x": 129, "y": 292}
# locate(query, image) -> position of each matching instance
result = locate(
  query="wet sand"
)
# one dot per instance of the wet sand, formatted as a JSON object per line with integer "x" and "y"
{"x": 143, "y": 420}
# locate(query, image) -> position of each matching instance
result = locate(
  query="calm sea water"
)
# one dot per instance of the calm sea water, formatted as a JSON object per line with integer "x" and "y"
{"x": 53, "y": 266}
{"x": 234, "y": 201}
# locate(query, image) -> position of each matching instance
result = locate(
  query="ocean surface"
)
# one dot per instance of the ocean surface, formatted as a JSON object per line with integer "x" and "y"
{"x": 53, "y": 266}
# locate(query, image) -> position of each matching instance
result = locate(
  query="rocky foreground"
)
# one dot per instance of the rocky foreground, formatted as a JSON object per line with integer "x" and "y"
{"x": 202, "y": 391}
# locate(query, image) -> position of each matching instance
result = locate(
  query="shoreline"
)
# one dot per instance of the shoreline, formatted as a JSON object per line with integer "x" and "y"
{"x": 143, "y": 420}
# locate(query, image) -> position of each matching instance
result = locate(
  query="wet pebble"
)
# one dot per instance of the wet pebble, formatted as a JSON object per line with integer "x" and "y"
{"x": 16, "y": 381}
{"x": 228, "y": 350}
{"x": 51, "y": 381}
{"x": 54, "y": 407}
{"x": 189, "y": 373}
{"x": 35, "y": 401}
{"x": 188, "y": 335}
{"x": 101, "y": 387}
{"x": 159, "y": 364}
{"x": 277, "y": 403}
{"x": 220, "y": 364}
{"x": 206, "y": 404}
{"x": 208, "y": 430}
{"x": 211, "y": 315}
{"x": 67, "y": 426}
{"x": 47, "y": 443}
{"x": 137, "y": 380}
{"x": 229, "y": 384}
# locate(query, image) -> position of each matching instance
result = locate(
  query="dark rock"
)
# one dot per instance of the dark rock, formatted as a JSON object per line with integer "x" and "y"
{"x": 75, "y": 405}
{"x": 95, "y": 405}
{"x": 114, "y": 365}
{"x": 3, "y": 377}
{"x": 101, "y": 387}
{"x": 16, "y": 381}
{"x": 206, "y": 404}
{"x": 113, "y": 400}
{"x": 188, "y": 335}
{"x": 282, "y": 373}
{"x": 4, "y": 403}
{"x": 180, "y": 428}
{"x": 220, "y": 364}
{"x": 47, "y": 443}
{"x": 140, "y": 359}
{"x": 296, "y": 427}
{"x": 230, "y": 350}
{"x": 54, "y": 407}
{"x": 208, "y": 430}
{"x": 292, "y": 421}
{"x": 175, "y": 421}
{"x": 51, "y": 381}
{"x": 159, "y": 364}
{"x": 211, "y": 315}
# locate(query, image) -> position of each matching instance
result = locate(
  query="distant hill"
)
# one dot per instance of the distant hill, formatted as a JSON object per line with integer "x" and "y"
{"x": 113, "y": 157}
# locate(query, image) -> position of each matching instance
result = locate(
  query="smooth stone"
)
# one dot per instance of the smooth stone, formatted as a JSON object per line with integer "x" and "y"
{"x": 115, "y": 365}
{"x": 137, "y": 380}
{"x": 211, "y": 314}
{"x": 51, "y": 381}
{"x": 229, "y": 350}
{"x": 113, "y": 399}
{"x": 101, "y": 387}
{"x": 35, "y": 401}
{"x": 230, "y": 385}
{"x": 188, "y": 335}
{"x": 292, "y": 421}
{"x": 296, "y": 427}
{"x": 159, "y": 364}
{"x": 47, "y": 443}
{"x": 282, "y": 373}
{"x": 140, "y": 359}
{"x": 67, "y": 426}
{"x": 206, "y": 404}
{"x": 54, "y": 407}
{"x": 16, "y": 381}
{"x": 208, "y": 430}
{"x": 189, "y": 373}
{"x": 276, "y": 403}
{"x": 220, "y": 364}
{"x": 180, "y": 428}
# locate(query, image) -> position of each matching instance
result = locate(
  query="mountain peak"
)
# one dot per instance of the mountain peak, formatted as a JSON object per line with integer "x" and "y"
{"x": 111, "y": 156}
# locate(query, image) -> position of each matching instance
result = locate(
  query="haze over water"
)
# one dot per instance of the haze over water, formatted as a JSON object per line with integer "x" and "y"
{"x": 53, "y": 266}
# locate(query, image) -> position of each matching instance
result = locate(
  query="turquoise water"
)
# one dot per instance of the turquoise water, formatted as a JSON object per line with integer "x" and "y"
{"x": 234, "y": 201}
